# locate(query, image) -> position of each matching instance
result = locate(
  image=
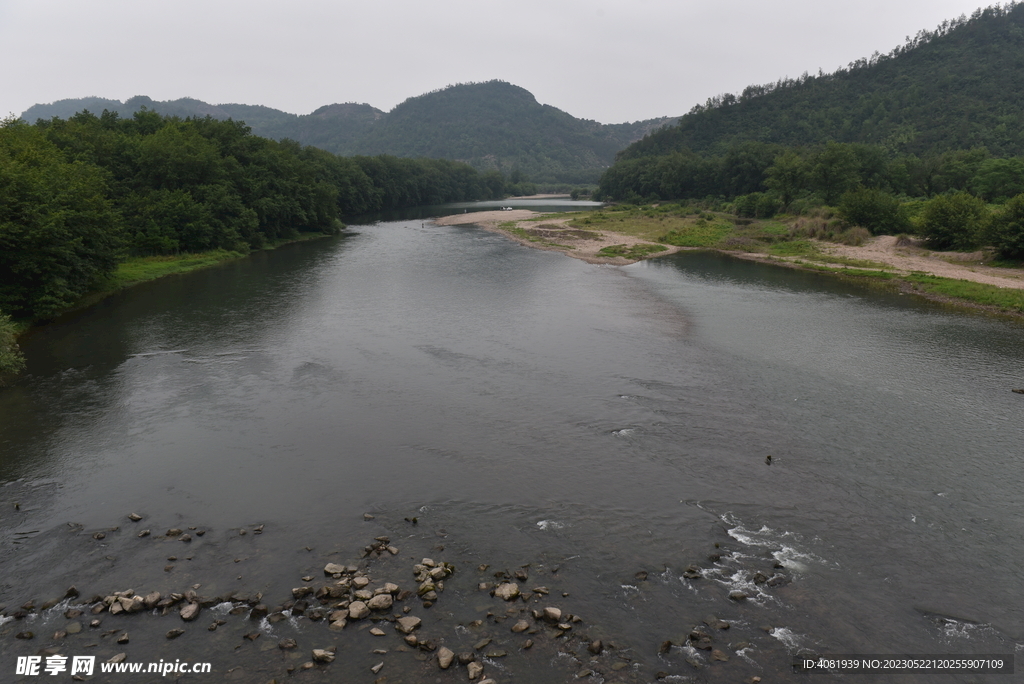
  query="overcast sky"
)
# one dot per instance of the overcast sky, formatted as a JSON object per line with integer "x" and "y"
{"x": 608, "y": 60}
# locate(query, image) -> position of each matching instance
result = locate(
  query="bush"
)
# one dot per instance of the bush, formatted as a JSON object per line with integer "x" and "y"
{"x": 756, "y": 205}
{"x": 11, "y": 360}
{"x": 1007, "y": 230}
{"x": 954, "y": 222}
{"x": 873, "y": 209}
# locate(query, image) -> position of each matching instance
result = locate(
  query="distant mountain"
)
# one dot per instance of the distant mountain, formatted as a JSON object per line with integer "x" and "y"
{"x": 958, "y": 87}
{"x": 492, "y": 125}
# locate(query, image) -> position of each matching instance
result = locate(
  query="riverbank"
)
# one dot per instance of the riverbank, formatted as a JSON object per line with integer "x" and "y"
{"x": 960, "y": 279}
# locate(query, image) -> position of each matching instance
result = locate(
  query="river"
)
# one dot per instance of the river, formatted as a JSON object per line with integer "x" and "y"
{"x": 598, "y": 429}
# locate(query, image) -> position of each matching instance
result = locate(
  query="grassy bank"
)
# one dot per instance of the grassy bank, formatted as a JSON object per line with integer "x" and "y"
{"x": 792, "y": 241}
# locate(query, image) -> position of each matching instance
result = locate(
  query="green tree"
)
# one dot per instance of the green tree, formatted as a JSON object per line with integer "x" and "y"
{"x": 835, "y": 171}
{"x": 954, "y": 222}
{"x": 1007, "y": 230}
{"x": 874, "y": 209}
{"x": 11, "y": 360}
{"x": 787, "y": 176}
{"x": 999, "y": 179}
{"x": 58, "y": 232}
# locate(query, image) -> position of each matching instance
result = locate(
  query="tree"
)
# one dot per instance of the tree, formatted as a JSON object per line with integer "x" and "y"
{"x": 787, "y": 177}
{"x": 1007, "y": 230}
{"x": 835, "y": 171}
{"x": 58, "y": 232}
{"x": 954, "y": 222}
{"x": 878, "y": 211}
{"x": 11, "y": 360}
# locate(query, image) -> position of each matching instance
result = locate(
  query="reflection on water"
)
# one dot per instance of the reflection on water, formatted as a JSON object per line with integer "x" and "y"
{"x": 597, "y": 424}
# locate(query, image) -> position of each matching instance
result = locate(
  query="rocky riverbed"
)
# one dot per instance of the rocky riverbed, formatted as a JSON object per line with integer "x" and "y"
{"x": 387, "y": 615}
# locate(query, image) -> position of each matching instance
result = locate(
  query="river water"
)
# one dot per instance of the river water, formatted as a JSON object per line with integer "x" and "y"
{"x": 599, "y": 429}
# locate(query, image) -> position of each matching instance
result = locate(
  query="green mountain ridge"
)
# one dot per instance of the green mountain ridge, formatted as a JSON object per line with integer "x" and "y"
{"x": 958, "y": 87}
{"x": 491, "y": 125}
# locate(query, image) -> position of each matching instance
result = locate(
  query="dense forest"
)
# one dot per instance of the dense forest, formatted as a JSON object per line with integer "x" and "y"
{"x": 491, "y": 126}
{"x": 927, "y": 139}
{"x": 78, "y": 195}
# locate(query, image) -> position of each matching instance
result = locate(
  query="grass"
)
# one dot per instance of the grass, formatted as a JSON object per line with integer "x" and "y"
{"x": 1002, "y": 298}
{"x": 140, "y": 269}
{"x": 634, "y": 252}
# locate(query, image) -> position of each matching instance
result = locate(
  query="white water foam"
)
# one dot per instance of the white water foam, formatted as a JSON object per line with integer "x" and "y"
{"x": 790, "y": 639}
{"x": 781, "y": 544}
{"x": 550, "y": 525}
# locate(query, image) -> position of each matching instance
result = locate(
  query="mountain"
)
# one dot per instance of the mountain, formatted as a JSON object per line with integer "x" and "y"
{"x": 958, "y": 87}
{"x": 492, "y": 125}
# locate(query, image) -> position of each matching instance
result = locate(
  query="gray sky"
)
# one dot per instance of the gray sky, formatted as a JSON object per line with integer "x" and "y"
{"x": 611, "y": 61}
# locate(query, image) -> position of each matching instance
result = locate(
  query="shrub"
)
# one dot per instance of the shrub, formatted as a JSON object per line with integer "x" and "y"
{"x": 954, "y": 222}
{"x": 855, "y": 237}
{"x": 1007, "y": 231}
{"x": 11, "y": 360}
{"x": 874, "y": 209}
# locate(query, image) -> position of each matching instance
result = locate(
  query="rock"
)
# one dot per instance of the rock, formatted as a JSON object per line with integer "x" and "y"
{"x": 376, "y": 668}
{"x": 119, "y": 658}
{"x": 189, "y": 612}
{"x": 508, "y": 591}
{"x": 322, "y": 655}
{"x": 367, "y": 516}
{"x": 360, "y": 582}
{"x": 151, "y": 599}
{"x": 258, "y": 611}
{"x": 393, "y": 550}
{"x": 528, "y": 644}
{"x": 73, "y": 628}
{"x": 299, "y": 592}
{"x": 738, "y": 595}
{"x": 406, "y": 625}
{"x": 411, "y": 639}
{"x": 287, "y": 644}
{"x": 251, "y": 636}
{"x": 72, "y": 592}
{"x": 144, "y": 533}
{"x": 185, "y": 537}
{"x": 173, "y": 532}
{"x": 719, "y": 655}
{"x": 24, "y": 635}
{"x": 488, "y": 681}
{"x": 475, "y": 669}
{"x": 338, "y": 625}
{"x": 595, "y": 647}
{"x": 377, "y": 631}
{"x": 552, "y": 614}
{"x": 357, "y": 610}
{"x": 99, "y": 535}
{"x": 116, "y": 608}
{"x": 465, "y": 658}
{"x": 481, "y": 644}
{"x": 521, "y": 626}
{"x": 175, "y": 633}
{"x": 363, "y": 595}
{"x": 380, "y": 602}
{"x": 123, "y": 639}
{"x": 445, "y": 656}
{"x": 334, "y": 569}
{"x": 134, "y": 517}
{"x": 665, "y": 647}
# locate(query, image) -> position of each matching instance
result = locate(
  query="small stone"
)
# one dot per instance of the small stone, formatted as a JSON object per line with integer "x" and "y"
{"x": 665, "y": 647}
{"x": 507, "y": 591}
{"x": 445, "y": 656}
{"x": 367, "y": 516}
{"x": 411, "y": 639}
{"x": 95, "y": 624}
{"x": 99, "y": 535}
{"x": 357, "y": 610}
{"x": 393, "y": 550}
{"x": 521, "y": 626}
{"x": 380, "y": 602}
{"x": 360, "y": 582}
{"x": 59, "y": 635}
{"x": 322, "y": 655}
{"x": 481, "y": 644}
{"x": 173, "y": 532}
{"x": 189, "y": 612}
{"x": 475, "y": 669}
{"x": 287, "y": 644}
{"x": 175, "y": 633}
{"x": 72, "y": 592}
{"x": 123, "y": 639}
{"x": 24, "y": 635}
{"x": 552, "y": 614}
{"x": 74, "y": 627}
{"x": 119, "y": 658}
{"x": 465, "y": 658}
{"x": 144, "y": 533}
{"x": 406, "y": 625}
{"x": 299, "y": 592}
{"x": 528, "y": 644}
{"x": 377, "y": 631}
{"x": 738, "y": 595}
{"x": 334, "y": 569}
{"x": 338, "y": 625}
{"x": 134, "y": 517}
{"x": 719, "y": 655}
{"x": 595, "y": 647}
{"x": 620, "y": 665}
{"x": 376, "y": 668}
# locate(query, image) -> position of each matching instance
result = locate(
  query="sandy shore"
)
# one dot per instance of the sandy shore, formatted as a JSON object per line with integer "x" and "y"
{"x": 553, "y": 234}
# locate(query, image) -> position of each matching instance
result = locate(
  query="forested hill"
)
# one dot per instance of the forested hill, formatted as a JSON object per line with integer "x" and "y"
{"x": 492, "y": 125}
{"x": 958, "y": 87}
